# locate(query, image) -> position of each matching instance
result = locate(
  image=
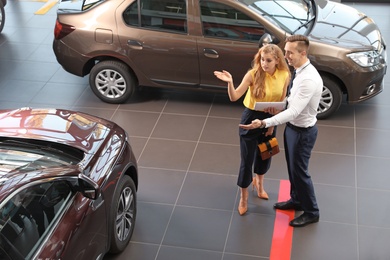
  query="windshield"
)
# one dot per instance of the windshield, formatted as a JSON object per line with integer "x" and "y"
{"x": 293, "y": 16}
{"x": 29, "y": 155}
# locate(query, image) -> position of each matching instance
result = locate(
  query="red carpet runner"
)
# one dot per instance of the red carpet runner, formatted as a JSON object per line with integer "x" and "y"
{"x": 283, "y": 232}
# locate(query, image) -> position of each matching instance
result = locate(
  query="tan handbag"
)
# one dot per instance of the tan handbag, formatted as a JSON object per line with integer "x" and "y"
{"x": 269, "y": 148}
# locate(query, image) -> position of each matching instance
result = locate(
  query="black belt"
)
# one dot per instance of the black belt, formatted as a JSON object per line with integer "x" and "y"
{"x": 298, "y": 128}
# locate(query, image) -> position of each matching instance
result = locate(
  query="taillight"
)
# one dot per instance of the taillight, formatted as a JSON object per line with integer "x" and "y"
{"x": 61, "y": 30}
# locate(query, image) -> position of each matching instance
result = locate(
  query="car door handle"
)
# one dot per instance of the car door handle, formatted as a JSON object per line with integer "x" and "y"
{"x": 134, "y": 44}
{"x": 210, "y": 53}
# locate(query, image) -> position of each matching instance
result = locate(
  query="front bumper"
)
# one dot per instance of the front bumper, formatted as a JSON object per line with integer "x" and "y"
{"x": 368, "y": 82}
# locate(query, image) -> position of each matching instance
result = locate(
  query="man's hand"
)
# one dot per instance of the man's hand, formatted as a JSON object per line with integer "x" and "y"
{"x": 270, "y": 131}
{"x": 272, "y": 110}
{"x": 257, "y": 123}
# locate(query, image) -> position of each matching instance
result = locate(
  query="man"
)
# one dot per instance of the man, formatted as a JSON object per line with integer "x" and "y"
{"x": 301, "y": 131}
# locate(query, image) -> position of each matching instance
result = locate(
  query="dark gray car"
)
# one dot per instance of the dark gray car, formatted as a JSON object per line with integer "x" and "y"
{"x": 124, "y": 44}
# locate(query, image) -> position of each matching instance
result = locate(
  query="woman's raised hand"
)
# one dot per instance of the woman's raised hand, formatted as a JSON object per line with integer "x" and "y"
{"x": 223, "y": 75}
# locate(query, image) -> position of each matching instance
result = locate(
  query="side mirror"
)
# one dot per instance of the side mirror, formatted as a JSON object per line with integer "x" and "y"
{"x": 266, "y": 39}
{"x": 88, "y": 187}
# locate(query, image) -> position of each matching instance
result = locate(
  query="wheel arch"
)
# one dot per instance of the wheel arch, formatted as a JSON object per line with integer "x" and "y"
{"x": 93, "y": 61}
{"x": 336, "y": 79}
{"x": 131, "y": 171}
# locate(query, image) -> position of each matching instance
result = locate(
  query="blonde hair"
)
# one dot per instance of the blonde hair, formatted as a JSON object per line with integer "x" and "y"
{"x": 259, "y": 74}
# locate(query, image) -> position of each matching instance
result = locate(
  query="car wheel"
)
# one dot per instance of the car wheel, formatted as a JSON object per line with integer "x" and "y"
{"x": 330, "y": 99}
{"x": 2, "y": 16}
{"x": 111, "y": 81}
{"x": 123, "y": 214}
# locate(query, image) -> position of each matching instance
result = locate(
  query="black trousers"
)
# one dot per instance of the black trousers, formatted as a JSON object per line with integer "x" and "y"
{"x": 250, "y": 157}
{"x": 298, "y": 144}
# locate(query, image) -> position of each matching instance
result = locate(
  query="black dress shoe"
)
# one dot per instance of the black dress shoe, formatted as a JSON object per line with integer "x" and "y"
{"x": 286, "y": 205}
{"x": 304, "y": 220}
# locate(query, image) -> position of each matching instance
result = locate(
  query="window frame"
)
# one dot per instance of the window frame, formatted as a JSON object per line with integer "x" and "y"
{"x": 155, "y": 19}
{"x": 241, "y": 27}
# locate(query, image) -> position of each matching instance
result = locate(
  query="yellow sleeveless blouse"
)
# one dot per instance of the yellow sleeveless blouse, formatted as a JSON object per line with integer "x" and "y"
{"x": 274, "y": 85}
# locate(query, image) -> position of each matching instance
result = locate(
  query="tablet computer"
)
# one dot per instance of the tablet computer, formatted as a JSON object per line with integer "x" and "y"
{"x": 259, "y": 106}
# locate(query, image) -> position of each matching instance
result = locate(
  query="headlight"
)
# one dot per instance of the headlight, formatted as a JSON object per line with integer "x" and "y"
{"x": 366, "y": 58}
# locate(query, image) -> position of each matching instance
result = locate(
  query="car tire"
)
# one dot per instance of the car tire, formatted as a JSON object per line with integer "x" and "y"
{"x": 331, "y": 98}
{"x": 112, "y": 82}
{"x": 2, "y": 16}
{"x": 123, "y": 214}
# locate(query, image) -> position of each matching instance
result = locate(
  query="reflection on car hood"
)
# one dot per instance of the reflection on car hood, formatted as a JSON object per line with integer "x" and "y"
{"x": 345, "y": 26}
{"x": 76, "y": 129}
{"x": 66, "y": 6}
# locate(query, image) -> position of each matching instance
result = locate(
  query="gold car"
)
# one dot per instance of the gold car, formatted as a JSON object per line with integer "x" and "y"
{"x": 125, "y": 44}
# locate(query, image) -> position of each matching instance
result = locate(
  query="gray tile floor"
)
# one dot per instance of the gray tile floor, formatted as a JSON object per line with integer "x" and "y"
{"x": 188, "y": 154}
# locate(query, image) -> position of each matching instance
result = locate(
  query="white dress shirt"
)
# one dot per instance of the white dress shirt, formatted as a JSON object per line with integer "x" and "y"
{"x": 303, "y": 100}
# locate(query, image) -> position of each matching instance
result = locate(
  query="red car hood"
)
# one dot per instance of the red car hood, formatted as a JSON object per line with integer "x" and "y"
{"x": 76, "y": 129}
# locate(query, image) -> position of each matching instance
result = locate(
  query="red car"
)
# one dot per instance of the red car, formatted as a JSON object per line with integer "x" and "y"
{"x": 68, "y": 183}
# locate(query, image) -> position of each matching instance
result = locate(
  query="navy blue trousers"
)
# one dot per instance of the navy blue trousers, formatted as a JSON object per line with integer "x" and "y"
{"x": 250, "y": 157}
{"x": 298, "y": 145}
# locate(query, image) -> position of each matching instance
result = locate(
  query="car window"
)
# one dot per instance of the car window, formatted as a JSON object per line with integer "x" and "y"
{"x": 223, "y": 21}
{"x": 167, "y": 15}
{"x": 20, "y": 155}
{"x": 28, "y": 216}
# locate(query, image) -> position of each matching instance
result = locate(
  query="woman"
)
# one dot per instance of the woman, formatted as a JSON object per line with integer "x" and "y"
{"x": 266, "y": 82}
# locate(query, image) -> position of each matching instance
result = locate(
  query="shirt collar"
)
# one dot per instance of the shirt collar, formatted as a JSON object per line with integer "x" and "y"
{"x": 274, "y": 75}
{"x": 303, "y": 66}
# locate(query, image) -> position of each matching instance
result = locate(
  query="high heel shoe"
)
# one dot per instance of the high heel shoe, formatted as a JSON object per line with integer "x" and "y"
{"x": 243, "y": 204}
{"x": 242, "y": 207}
{"x": 262, "y": 195}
